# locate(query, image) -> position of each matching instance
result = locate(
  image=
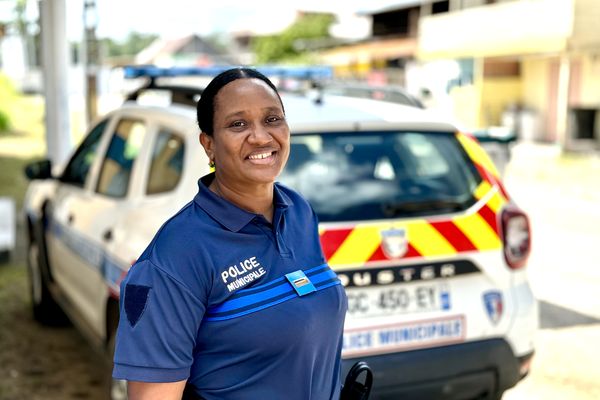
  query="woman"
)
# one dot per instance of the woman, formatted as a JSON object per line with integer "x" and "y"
{"x": 233, "y": 295}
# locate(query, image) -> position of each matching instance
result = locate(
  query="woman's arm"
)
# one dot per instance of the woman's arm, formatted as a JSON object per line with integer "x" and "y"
{"x": 155, "y": 391}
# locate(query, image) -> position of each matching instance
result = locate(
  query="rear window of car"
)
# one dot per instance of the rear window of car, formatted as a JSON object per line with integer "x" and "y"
{"x": 378, "y": 175}
{"x": 167, "y": 162}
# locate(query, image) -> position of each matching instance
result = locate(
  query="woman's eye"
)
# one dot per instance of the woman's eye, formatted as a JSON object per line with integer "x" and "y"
{"x": 237, "y": 124}
{"x": 273, "y": 119}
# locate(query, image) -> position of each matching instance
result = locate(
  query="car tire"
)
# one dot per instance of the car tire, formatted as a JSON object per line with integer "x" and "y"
{"x": 117, "y": 388}
{"x": 44, "y": 307}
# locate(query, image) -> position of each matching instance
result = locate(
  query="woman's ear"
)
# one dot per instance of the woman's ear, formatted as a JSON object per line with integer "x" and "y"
{"x": 208, "y": 143}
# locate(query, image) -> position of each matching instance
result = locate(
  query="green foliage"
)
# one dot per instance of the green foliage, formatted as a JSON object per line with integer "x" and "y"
{"x": 7, "y": 92}
{"x": 13, "y": 182}
{"x": 4, "y": 122}
{"x": 133, "y": 44}
{"x": 281, "y": 47}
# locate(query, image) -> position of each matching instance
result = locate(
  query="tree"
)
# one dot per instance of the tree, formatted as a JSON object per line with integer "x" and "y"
{"x": 281, "y": 47}
{"x": 133, "y": 44}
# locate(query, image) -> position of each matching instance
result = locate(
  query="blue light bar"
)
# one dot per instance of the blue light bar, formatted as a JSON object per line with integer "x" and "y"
{"x": 300, "y": 72}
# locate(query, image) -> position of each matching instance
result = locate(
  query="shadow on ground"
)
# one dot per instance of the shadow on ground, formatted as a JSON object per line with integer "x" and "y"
{"x": 553, "y": 316}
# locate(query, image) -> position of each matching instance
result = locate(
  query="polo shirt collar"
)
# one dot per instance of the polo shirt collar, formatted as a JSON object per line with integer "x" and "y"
{"x": 228, "y": 214}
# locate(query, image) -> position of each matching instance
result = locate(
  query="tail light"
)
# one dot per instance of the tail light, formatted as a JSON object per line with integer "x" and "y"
{"x": 516, "y": 235}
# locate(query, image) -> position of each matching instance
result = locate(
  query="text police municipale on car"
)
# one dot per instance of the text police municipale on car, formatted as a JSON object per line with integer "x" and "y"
{"x": 413, "y": 218}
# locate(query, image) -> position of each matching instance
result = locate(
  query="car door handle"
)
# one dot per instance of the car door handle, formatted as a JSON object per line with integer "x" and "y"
{"x": 107, "y": 235}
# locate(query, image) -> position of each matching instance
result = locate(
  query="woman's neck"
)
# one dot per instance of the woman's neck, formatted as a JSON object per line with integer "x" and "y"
{"x": 257, "y": 199}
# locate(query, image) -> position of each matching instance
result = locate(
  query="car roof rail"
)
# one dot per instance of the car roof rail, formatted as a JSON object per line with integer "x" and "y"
{"x": 189, "y": 95}
{"x": 281, "y": 71}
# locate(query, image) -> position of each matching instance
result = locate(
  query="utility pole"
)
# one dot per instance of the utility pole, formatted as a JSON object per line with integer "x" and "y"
{"x": 90, "y": 22}
{"x": 54, "y": 66}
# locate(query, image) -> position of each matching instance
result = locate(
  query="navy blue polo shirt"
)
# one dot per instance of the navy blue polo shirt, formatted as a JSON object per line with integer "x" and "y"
{"x": 209, "y": 301}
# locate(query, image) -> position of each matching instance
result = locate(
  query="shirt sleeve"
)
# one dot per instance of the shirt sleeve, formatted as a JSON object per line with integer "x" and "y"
{"x": 158, "y": 326}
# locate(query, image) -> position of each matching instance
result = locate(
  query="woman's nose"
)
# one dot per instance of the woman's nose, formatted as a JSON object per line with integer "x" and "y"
{"x": 260, "y": 135}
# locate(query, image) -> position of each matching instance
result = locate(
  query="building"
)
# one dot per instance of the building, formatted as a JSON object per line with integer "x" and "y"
{"x": 538, "y": 60}
{"x": 530, "y": 65}
{"x": 183, "y": 51}
{"x": 387, "y": 52}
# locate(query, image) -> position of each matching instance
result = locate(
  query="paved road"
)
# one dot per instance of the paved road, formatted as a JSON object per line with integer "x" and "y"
{"x": 562, "y": 198}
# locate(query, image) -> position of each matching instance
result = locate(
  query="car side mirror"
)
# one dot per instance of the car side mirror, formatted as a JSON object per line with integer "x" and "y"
{"x": 39, "y": 170}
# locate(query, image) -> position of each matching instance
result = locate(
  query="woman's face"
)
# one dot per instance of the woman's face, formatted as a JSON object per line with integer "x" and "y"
{"x": 251, "y": 139}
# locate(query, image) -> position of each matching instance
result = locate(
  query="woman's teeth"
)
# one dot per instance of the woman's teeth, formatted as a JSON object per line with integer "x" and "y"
{"x": 260, "y": 156}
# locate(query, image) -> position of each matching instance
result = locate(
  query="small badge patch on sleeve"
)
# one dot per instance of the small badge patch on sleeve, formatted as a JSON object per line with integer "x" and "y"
{"x": 136, "y": 298}
{"x": 300, "y": 282}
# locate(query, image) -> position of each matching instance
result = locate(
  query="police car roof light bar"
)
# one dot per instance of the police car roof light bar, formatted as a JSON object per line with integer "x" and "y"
{"x": 299, "y": 72}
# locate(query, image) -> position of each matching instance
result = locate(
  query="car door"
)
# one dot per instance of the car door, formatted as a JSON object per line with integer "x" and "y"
{"x": 92, "y": 215}
{"x": 154, "y": 198}
{"x": 71, "y": 254}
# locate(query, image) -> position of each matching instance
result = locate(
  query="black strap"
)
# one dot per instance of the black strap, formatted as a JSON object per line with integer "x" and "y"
{"x": 189, "y": 393}
{"x": 353, "y": 389}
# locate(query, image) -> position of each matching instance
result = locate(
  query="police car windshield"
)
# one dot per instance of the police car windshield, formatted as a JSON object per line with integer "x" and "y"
{"x": 376, "y": 175}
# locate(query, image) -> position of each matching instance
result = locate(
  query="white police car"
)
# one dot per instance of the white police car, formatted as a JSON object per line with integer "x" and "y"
{"x": 414, "y": 219}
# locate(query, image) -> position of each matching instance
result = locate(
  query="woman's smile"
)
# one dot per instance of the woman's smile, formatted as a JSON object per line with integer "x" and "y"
{"x": 262, "y": 158}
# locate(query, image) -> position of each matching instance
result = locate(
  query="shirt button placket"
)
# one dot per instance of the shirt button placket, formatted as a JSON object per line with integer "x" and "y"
{"x": 281, "y": 247}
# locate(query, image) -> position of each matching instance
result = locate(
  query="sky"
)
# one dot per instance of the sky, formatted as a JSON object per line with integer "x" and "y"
{"x": 117, "y": 17}
{"x": 173, "y": 18}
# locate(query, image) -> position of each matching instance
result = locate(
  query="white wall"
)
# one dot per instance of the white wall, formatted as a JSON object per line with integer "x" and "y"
{"x": 586, "y": 32}
{"x": 506, "y": 28}
{"x": 590, "y": 80}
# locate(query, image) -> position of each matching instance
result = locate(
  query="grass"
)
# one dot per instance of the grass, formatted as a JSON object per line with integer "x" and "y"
{"x": 25, "y": 139}
{"x": 25, "y": 114}
{"x": 13, "y": 182}
{"x": 13, "y": 283}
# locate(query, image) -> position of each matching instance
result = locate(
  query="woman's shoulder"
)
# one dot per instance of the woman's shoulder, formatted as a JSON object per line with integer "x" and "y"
{"x": 178, "y": 251}
{"x": 177, "y": 237}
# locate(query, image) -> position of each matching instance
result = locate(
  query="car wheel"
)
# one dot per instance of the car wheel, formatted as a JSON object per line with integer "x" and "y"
{"x": 45, "y": 309}
{"x": 117, "y": 388}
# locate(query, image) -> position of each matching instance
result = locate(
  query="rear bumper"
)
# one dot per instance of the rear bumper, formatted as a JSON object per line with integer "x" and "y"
{"x": 474, "y": 370}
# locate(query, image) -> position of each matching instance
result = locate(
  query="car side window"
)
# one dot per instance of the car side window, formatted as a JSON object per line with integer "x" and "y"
{"x": 77, "y": 169}
{"x": 167, "y": 162}
{"x": 123, "y": 149}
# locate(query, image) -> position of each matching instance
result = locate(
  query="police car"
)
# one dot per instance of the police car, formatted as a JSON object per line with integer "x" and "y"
{"x": 413, "y": 218}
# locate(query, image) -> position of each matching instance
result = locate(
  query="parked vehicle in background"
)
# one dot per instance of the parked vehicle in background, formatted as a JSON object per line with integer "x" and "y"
{"x": 414, "y": 220}
{"x": 390, "y": 93}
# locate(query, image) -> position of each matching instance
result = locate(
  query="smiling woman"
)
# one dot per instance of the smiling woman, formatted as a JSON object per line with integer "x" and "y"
{"x": 243, "y": 257}
{"x": 247, "y": 138}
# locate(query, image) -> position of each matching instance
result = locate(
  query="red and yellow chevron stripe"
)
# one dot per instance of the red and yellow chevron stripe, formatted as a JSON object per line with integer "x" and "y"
{"x": 484, "y": 164}
{"x": 477, "y": 230}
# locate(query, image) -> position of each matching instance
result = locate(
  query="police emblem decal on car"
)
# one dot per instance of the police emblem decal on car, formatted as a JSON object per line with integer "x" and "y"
{"x": 394, "y": 242}
{"x": 494, "y": 305}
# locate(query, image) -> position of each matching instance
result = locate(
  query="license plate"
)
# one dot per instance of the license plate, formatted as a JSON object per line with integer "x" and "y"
{"x": 397, "y": 299}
